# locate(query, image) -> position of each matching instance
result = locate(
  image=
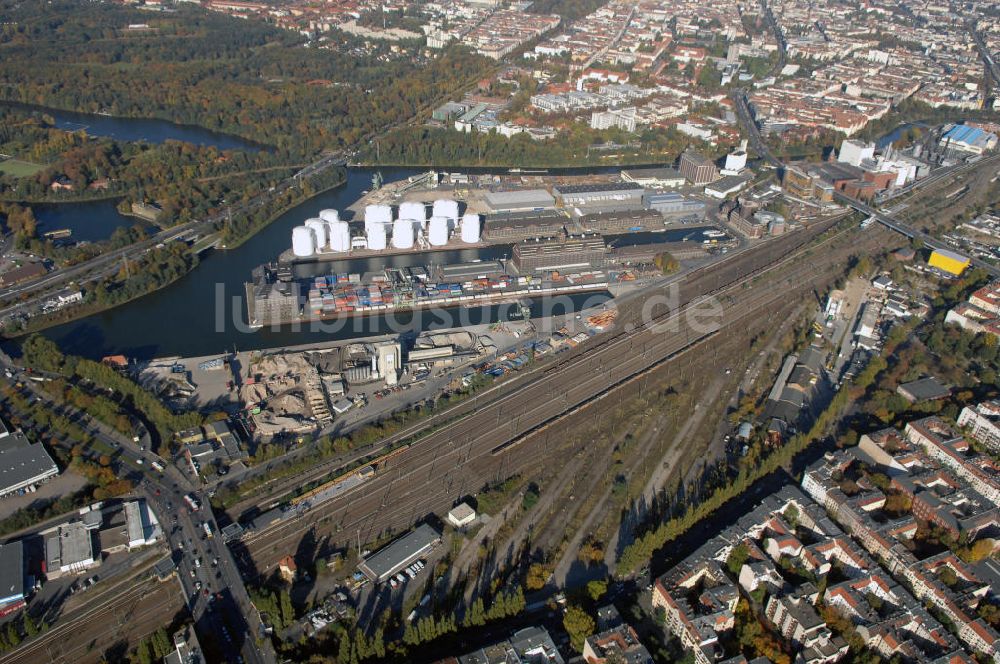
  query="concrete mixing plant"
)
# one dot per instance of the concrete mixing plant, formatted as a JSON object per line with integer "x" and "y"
{"x": 376, "y": 234}
{"x": 437, "y": 232}
{"x": 416, "y": 211}
{"x": 448, "y": 209}
{"x": 340, "y": 236}
{"x": 377, "y": 215}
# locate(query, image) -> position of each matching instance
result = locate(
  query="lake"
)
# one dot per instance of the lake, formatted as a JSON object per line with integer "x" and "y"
{"x": 137, "y": 129}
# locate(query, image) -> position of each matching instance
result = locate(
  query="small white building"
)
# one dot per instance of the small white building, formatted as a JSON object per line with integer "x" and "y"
{"x": 141, "y": 524}
{"x": 461, "y": 515}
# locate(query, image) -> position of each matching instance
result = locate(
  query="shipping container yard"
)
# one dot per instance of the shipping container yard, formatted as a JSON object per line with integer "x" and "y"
{"x": 408, "y": 288}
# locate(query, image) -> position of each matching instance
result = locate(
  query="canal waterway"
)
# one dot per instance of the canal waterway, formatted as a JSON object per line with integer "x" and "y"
{"x": 204, "y": 312}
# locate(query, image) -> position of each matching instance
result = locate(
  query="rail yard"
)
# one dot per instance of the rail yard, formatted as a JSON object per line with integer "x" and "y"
{"x": 486, "y": 446}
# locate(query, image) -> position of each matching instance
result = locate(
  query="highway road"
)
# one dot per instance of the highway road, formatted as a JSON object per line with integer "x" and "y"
{"x": 212, "y": 587}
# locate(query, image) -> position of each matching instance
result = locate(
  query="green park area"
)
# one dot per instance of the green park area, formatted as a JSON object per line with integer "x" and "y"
{"x": 19, "y": 168}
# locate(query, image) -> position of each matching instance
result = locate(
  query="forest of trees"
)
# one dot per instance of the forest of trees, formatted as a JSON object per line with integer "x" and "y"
{"x": 573, "y": 147}
{"x": 187, "y": 181}
{"x": 246, "y": 78}
{"x": 43, "y": 354}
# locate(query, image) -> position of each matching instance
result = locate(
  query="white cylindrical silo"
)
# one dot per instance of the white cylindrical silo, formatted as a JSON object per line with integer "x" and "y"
{"x": 318, "y": 227}
{"x": 340, "y": 236}
{"x": 446, "y": 208}
{"x": 303, "y": 241}
{"x": 413, "y": 210}
{"x": 329, "y": 216}
{"x": 470, "y": 228}
{"x": 377, "y": 214}
{"x": 402, "y": 234}
{"x": 376, "y": 236}
{"x": 437, "y": 232}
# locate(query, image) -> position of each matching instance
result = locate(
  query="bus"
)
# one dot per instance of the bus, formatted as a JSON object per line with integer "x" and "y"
{"x": 207, "y": 527}
{"x": 157, "y": 465}
{"x": 191, "y": 502}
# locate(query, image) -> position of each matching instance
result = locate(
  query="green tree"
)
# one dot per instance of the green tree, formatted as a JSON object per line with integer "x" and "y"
{"x": 737, "y": 557}
{"x": 287, "y": 612}
{"x": 538, "y": 576}
{"x": 666, "y": 262}
{"x": 579, "y": 625}
{"x": 596, "y": 589}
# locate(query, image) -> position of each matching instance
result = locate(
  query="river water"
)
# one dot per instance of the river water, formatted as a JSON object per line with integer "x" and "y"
{"x": 204, "y": 312}
{"x": 90, "y": 221}
{"x": 137, "y": 129}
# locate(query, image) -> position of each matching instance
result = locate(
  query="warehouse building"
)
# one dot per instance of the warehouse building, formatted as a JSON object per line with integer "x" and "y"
{"x": 578, "y": 252}
{"x": 676, "y": 208}
{"x": 400, "y": 553}
{"x": 470, "y": 270}
{"x": 22, "y": 464}
{"x": 948, "y": 261}
{"x": 725, "y": 186}
{"x": 607, "y": 194}
{"x": 513, "y": 227}
{"x": 622, "y": 221}
{"x": 524, "y": 200}
{"x": 12, "y": 577}
{"x": 654, "y": 178}
{"x": 968, "y": 139}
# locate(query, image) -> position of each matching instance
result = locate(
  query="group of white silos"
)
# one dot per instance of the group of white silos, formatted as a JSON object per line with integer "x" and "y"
{"x": 412, "y": 221}
{"x": 328, "y": 232}
{"x": 319, "y": 233}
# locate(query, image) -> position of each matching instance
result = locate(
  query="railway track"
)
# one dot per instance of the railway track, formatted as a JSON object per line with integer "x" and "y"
{"x": 703, "y": 281}
{"x": 463, "y": 456}
{"x": 85, "y": 636}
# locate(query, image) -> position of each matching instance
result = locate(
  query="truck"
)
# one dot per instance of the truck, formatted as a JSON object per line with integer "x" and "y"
{"x": 157, "y": 465}
{"x": 191, "y": 502}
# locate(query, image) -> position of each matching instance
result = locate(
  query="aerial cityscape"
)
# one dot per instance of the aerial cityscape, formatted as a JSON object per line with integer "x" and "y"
{"x": 499, "y": 332}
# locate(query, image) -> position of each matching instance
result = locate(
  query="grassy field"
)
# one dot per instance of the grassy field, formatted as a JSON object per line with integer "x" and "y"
{"x": 18, "y": 168}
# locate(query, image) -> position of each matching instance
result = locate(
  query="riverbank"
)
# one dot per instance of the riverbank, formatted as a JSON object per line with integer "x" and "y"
{"x": 71, "y": 314}
{"x": 257, "y": 228}
{"x": 552, "y": 168}
{"x": 77, "y": 312}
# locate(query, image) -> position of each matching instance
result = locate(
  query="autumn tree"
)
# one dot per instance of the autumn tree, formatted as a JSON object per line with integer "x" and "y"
{"x": 579, "y": 625}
